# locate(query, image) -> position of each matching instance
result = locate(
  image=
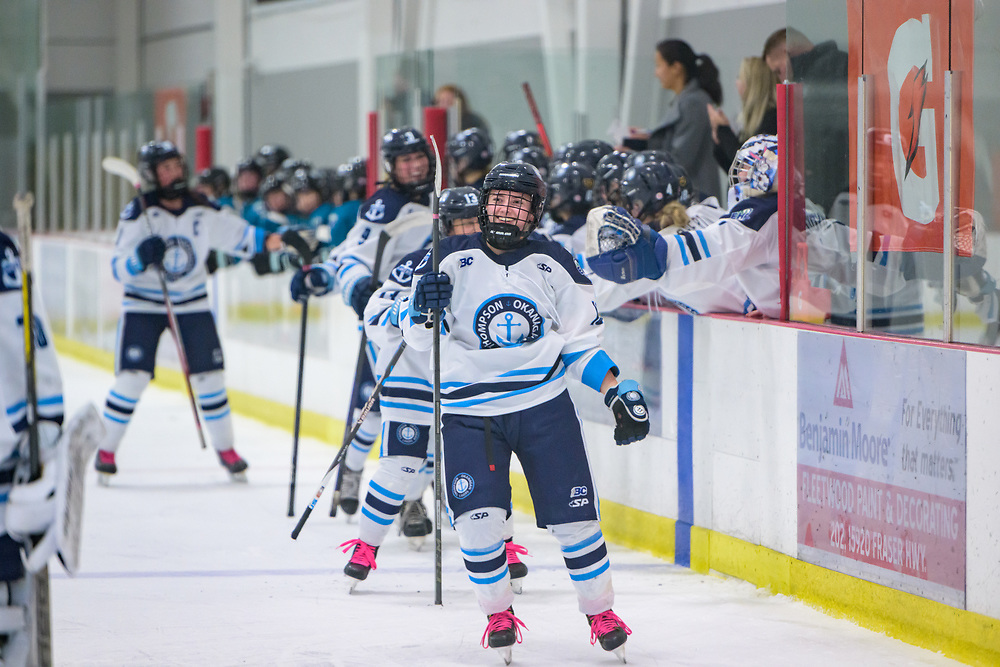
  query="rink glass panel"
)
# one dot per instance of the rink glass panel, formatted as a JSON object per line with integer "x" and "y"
{"x": 905, "y": 290}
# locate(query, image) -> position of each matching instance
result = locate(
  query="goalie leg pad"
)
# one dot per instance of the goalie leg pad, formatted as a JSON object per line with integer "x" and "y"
{"x": 646, "y": 258}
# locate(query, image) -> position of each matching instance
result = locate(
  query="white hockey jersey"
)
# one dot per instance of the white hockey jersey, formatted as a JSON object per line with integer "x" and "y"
{"x": 407, "y": 225}
{"x": 190, "y": 233}
{"x": 517, "y": 322}
{"x": 13, "y": 377}
{"x": 407, "y": 395}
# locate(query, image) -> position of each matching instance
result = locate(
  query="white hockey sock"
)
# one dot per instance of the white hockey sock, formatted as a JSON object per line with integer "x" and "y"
{"x": 210, "y": 391}
{"x": 423, "y": 479}
{"x": 384, "y": 497}
{"x": 485, "y": 557}
{"x": 586, "y": 557}
{"x": 358, "y": 450}
{"x": 120, "y": 404}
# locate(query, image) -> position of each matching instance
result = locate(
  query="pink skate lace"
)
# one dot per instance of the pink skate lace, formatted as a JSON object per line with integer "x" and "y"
{"x": 105, "y": 457}
{"x": 229, "y": 457}
{"x": 364, "y": 553}
{"x": 512, "y": 552}
{"x": 501, "y": 621}
{"x": 603, "y": 623}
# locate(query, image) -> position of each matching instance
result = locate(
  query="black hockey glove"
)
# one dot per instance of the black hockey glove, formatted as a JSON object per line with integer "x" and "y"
{"x": 629, "y": 408}
{"x": 310, "y": 281}
{"x": 150, "y": 251}
{"x": 433, "y": 292}
{"x": 361, "y": 293}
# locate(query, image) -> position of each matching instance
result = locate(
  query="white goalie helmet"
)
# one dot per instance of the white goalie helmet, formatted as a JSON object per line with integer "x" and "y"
{"x": 754, "y": 171}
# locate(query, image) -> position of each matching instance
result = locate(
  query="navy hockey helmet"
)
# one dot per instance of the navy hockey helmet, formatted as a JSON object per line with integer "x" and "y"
{"x": 518, "y": 139}
{"x": 277, "y": 183}
{"x": 305, "y": 179}
{"x": 470, "y": 150}
{"x": 150, "y": 156}
{"x": 271, "y": 156}
{"x": 246, "y": 188}
{"x": 355, "y": 175}
{"x": 571, "y": 189}
{"x": 403, "y": 141}
{"x": 293, "y": 164}
{"x": 508, "y": 232}
{"x": 647, "y": 188}
{"x": 607, "y": 178}
{"x": 588, "y": 151}
{"x": 216, "y": 179}
{"x": 533, "y": 155}
{"x": 687, "y": 194}
{"x": 459, "y": 203}
{"x": 651, "y": 155}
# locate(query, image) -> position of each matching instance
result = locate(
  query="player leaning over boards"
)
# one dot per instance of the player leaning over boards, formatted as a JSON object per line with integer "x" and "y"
{"x": 175, "y": 234}
{"x": 519, "y": 314}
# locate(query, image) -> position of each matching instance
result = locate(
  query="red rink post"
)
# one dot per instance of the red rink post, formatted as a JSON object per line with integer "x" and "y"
{"x": 436, "y": 130}
{"x": 373, "y": 153}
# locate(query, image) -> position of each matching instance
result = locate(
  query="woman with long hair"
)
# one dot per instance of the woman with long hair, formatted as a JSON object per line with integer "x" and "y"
{"x": 756, "y": 87}
{"x": 685, "y": 131}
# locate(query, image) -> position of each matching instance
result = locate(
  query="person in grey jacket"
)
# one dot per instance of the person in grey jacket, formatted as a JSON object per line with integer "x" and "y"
{"x": 685, "y": 131}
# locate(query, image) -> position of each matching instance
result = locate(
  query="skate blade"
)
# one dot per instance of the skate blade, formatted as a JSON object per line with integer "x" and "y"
{"x": 620, "y": 653}
{"x": 516, "y": 586}
{"x": 505, "y": 654}
{"x": 240, "y": 477}
{"x": 104, "y": 479}
{"x": 416, "y": 543}
{"x": 352, "y": 583}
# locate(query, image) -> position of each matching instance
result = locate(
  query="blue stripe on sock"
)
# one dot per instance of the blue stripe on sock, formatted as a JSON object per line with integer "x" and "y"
{"x": 590, "y": 575}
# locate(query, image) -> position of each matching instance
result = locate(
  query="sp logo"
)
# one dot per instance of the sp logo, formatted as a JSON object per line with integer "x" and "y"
{"x": 478, "y": 515}
{"x": 579, "y": 502}
{"x": 545, "y": 267}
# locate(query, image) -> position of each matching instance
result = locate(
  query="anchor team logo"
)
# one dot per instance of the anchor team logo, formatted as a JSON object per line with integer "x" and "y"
{"x": 403, "y": 273}
{"x": 178, "y": 260}
{"x": 462, "y": 485}
{"x": 407, "y": 434}
{"x": 376, "y": 211}
{"x": 506, "y": 321}
{"x": 10, "y": 266}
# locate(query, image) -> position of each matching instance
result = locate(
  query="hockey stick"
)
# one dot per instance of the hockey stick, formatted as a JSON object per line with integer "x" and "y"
{"x": 347, "y": 440}
{"x": 436, "y": 356}
{"x": 40, "y": 620}
{"x": 119, "y": 167}
{"x": 542, "y": 134}
{"x": 391, "y": 229}
{"x": 296, "y": 241}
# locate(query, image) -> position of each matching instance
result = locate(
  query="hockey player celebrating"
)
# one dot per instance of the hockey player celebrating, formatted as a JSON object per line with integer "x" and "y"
{"x": 169, "y": 229}
{"x": 738, "y": 255}
{"x": 518, "y": 315}
{"x": 391, "y": 223}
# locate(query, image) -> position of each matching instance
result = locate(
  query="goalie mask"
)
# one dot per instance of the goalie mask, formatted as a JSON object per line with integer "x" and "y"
{"x": 404, "y": 141}
{"x": 153, "y": 154}
{"x": 511, "y": 203}
{"x": 754, "y": 171}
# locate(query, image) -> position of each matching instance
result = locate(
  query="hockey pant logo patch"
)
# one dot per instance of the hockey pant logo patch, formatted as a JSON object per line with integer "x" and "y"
{"x": 462, "y": 485}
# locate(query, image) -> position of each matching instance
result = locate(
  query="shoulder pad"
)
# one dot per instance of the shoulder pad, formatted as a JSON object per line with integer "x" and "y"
{"x": 754, "y": 212}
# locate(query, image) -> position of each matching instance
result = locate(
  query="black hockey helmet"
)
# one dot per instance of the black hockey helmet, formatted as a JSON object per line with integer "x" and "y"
{"x": 305, "y": 179}
{"x": 512, "y": 177}
{"x": 651, "y": 155}
{"x": 355, "y": 175}
{"x": 271, "y": 156}
{"x": 518, "y": 139}
{"x": 293, "y": 164}
{"x": 248, "y": 165}
{"x": 470, "y": 150}
{"x": 457, "y": 204}
{"x": 687, "y": 195}
{"x": 588, "y": 151}
{"x": 274, "y": 183}
{"x": 150, "y": 156}
{"x": 607, "y": 178}
{"x": 403, "y": 141}
{"x": 217, "y": 179}
{"x": 534, "y": 155}
{"x": 647, "y": 188}
{"x": 571, "y": 189}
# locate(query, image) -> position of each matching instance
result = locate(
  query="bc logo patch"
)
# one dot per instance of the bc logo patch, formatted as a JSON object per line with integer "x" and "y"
{"x": 506, "y": 321}
{"x": 178, "y": 260}
{"x": 462, "y": 485}
{"x": 407, "y": 434}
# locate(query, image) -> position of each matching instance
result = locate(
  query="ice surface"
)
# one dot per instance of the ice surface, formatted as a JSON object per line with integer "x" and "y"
{"x": 180, "y": 566}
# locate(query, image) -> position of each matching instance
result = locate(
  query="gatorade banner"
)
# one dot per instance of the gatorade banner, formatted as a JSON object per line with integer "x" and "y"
{"x": 905, "y": 47}
{"x": 882, "y": 463}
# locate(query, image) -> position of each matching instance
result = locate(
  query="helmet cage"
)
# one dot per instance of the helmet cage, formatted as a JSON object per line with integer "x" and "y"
{"x": 754, "y": 171}
{"x": 516, "y": 177}
{"x": 151, "y": 155}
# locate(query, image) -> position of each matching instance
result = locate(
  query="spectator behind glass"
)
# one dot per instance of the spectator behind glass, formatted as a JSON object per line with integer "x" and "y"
{"x": 449, "y": 95}
{"x": 776, "y": 55}
{"x": 759, "y": 115}
{"x": 685, "y": 131}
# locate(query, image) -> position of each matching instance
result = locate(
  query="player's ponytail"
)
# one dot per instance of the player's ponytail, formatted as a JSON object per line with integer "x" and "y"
{"x": 701, "y": 68}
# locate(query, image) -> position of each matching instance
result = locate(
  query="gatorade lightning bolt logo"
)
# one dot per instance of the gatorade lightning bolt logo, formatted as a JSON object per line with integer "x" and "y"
{"x": 912, "y": 96}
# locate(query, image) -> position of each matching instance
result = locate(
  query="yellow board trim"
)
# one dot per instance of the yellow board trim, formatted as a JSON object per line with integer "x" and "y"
{"x": 963, "y": 635}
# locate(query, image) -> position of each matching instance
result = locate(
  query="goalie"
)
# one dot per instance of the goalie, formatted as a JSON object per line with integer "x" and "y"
{"x": 736, "y": 255}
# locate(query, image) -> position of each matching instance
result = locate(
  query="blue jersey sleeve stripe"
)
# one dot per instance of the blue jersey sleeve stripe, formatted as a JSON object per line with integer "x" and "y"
{"x": 597, "y": 368}
{"x": 572, "y": 357}
{"x": 704, "y": 243}
{"x": 680, "y": 244}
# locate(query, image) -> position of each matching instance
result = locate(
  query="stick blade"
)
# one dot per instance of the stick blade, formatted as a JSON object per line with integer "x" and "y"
{"x": 119, "y": 167}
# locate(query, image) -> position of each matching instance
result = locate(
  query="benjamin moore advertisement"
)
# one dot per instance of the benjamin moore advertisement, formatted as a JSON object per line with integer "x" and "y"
{"x": 882, "y": 463}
